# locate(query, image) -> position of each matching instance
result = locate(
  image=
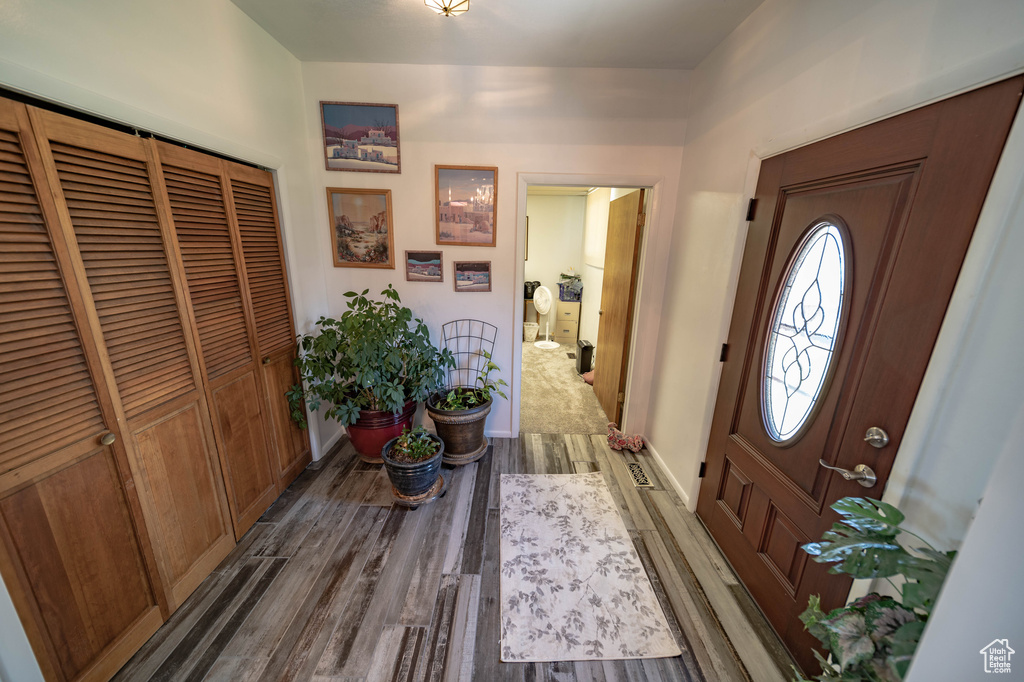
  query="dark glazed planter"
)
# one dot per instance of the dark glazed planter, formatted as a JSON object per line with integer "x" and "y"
{"x": 374, "y": 428}
{"x": 412, "y": 480}
{"x": 461, "y": 430}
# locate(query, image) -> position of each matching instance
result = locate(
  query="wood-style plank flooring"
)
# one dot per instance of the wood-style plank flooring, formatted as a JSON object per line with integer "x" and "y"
{"x": 337, "y": 583}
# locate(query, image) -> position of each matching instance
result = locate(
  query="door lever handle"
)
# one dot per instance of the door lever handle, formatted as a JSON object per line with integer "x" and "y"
{"x": 861, "y": 473}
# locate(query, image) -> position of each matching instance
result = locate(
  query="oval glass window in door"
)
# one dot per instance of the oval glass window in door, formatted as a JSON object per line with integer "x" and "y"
{"x": 806, "y": 323}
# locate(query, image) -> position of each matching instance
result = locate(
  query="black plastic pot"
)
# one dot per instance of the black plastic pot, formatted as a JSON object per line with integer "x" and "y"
{"x": 412, "y": 479}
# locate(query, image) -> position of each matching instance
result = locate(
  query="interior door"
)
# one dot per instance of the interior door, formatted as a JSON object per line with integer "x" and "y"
{"x": 72, "y": 548}
{"x": 849, "y": 264}
{"x": 625, "y": 227}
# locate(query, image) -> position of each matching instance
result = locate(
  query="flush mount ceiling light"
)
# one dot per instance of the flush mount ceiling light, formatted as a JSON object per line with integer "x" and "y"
{"x": 449, "y": 8}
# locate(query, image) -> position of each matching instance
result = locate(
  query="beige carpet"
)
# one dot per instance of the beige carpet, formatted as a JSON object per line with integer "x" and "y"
{"x": 555, "y": 398}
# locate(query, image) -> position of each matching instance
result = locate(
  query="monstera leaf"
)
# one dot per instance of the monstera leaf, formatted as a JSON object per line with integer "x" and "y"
{"x": 864, "y": 543}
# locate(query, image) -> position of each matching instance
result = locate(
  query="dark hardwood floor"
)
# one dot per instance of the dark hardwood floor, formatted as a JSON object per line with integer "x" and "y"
{"x": 337, "y": 583}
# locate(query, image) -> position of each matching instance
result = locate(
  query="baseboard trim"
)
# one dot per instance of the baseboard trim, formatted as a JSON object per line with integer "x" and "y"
{"x": 326, "y": 447}
{"x": 668, "y": 474}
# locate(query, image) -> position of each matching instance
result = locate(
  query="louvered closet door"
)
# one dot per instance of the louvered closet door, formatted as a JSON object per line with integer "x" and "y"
{"x": 255, "y": 208}
{"x": 120, "y": 223}
{"x": 71, "y": 555}
{"x": 196, "y": 193}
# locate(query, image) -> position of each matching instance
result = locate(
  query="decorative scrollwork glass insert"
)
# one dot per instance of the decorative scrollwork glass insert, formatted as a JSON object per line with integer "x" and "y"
{"x": 805, "y": 325}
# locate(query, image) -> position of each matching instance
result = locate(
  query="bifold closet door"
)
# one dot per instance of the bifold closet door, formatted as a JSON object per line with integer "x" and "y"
{"x": 255, "y": 209}
{"x": 211, "y": 254}
{"x": 112, "y": 201}
{"x": 73, "y": 548}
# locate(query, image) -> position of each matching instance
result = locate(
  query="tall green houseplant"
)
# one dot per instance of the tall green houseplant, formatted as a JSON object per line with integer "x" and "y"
{"x": 874, "y": 638}
{"x": 376, "y": 356}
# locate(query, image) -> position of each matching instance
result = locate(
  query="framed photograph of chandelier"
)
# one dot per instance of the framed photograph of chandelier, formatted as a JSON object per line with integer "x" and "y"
{"x": 465, "y": 205}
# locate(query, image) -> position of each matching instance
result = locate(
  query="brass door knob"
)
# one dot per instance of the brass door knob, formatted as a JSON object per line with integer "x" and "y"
{"x": 108, "y": 438}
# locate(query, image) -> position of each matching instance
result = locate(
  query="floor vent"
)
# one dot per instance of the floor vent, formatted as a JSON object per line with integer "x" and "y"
{"x": 640, "y": 479}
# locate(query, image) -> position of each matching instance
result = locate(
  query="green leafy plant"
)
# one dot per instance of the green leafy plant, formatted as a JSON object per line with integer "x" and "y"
{"x": 414, "y": 446}
{"x": 466, "y": 398}
{"x": 873, "y": 638}
{"x": 375, "y": 356}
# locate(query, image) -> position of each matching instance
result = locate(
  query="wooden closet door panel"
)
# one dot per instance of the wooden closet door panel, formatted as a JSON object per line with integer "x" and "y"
{"x": 71, "y": 551}
{"x": 259, "y": 234}
{"x": 115, "y": 205}
{"x": 211, "y": 257}
{"x": 74, "y": 537}
{"x": 293, "y": 452}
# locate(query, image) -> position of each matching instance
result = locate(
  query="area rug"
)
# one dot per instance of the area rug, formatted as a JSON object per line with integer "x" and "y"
{"x": 572, "y": 585}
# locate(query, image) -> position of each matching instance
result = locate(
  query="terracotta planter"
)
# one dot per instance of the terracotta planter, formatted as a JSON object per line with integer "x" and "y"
{"x": 461, "y": 430}
{"x": 374, "y": 428}
{"x": 412, "y": 480}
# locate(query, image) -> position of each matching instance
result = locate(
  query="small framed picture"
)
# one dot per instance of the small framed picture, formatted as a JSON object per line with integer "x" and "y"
{"x": 473, "y": 275}
{"x": 362, "y": 234}
{"x": 361, "y": 137}
{"x": 424, "y": 266}
{"x": 466, "y": 199}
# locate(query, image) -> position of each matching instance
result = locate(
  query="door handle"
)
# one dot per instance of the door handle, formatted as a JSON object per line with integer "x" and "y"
{"x": 861, "y": 473}
{"x": 108, "y": 438}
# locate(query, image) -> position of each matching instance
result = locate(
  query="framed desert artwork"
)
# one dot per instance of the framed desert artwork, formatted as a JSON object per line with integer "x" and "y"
{"x": 465, "y": 201}
{"x": 424, "y": 266}
{"x": 362, "y": 235}
{"x": 473, "y": 275}
{"x": 361, "y": 137}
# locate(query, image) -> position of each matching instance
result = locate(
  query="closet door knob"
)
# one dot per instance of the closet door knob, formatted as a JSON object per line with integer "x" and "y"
{"x": 108, "y": 438}
{"x": 266, "y": 360}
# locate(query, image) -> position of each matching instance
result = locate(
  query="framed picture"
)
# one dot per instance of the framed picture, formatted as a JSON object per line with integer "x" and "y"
{"x": 362, "y": 235}
{"x": 424, "y": 266}
{"x": 466, "y": 199}
{"x": 473, "y": 275}
{"x": 361, "y": 137}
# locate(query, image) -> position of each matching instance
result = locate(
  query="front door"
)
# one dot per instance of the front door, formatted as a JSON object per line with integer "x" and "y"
{"x": 849, "y": 264}
{"x": 618, "y": 289}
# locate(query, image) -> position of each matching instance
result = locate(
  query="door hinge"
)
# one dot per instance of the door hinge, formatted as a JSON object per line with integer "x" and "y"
{"x": 641, "y": 220}
{"x": 703, "y": 470}
{"x": 751, "y": 209}
{"x": 622, "y": 397}
{"x": 725, "y": 352}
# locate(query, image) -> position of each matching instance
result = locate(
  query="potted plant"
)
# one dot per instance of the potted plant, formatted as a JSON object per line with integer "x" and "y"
{"x": 874, "y": 637}
{"x": 372, "y": 366}
{"x": 459, "y": 414}
{"x": 413, "y": 463}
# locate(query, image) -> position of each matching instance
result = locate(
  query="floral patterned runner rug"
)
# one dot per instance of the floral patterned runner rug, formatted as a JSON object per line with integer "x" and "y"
{"x": 572, "y": 585}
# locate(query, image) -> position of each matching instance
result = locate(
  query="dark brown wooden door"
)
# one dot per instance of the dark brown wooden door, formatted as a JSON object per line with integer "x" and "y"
{"x": 625, "y": 225}
{"x": 904, "y": 195}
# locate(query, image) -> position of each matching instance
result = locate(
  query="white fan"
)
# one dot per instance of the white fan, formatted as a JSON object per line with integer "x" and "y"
{"x": 542, "y": 302}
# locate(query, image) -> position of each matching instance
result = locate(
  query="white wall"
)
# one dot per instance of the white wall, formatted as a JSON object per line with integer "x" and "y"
{"x": 595, "y": 237}
{"x": 556, "y": 243}
{"x": 796, "y": 71}
{"x": 549, "y": 122}
{"x": 199, "y": 71}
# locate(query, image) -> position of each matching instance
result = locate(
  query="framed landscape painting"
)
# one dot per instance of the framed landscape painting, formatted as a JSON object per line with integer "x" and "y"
{"x": 361, "y": 137}
{"x": 362, "y": 235}
{"x": 473, "y": 275}
{"x": 465, "y": 201}
{"x": 424, "y": 266}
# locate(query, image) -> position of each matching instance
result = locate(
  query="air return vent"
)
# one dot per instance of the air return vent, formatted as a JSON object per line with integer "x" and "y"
{"x": 640, "y": 479}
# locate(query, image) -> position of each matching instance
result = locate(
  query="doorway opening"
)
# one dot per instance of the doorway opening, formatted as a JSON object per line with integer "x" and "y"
{"x": 580, "y": 272}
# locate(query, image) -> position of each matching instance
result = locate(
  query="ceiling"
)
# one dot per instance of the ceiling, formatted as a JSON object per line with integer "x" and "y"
{"x": 643, "y": 34}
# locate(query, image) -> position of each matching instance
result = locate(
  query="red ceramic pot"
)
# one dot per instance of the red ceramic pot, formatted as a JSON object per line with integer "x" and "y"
{"x": 374, "y": 428}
